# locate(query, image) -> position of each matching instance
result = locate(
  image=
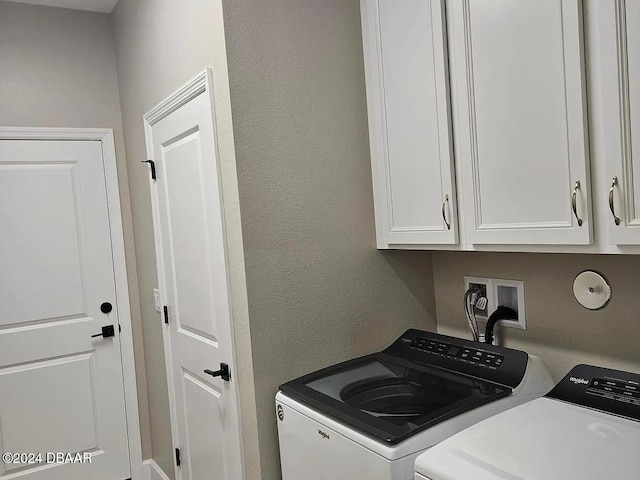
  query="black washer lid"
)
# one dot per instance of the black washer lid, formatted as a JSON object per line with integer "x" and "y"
{"x": 389, "y": 398}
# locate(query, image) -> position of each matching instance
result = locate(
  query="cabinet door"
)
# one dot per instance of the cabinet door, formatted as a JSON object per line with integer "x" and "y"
{"x": 619, "y": 23}
{"x": 518, "y": 81}
{"x": 408, "y": 98}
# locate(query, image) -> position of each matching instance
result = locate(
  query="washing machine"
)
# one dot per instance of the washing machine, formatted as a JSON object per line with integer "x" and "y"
{"x": 586, "y": 428}
{"x": 370, "y": 417}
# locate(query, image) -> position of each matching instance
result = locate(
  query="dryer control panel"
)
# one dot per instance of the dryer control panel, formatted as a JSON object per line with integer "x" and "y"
{"x": 611, "y": 391}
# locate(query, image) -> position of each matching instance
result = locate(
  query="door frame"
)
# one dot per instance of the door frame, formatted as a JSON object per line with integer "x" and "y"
{"x": 106, "y": 138}
{"x": 200, "y": 84}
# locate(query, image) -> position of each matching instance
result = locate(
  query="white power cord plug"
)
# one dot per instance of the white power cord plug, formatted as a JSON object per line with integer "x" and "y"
{"x": 481, "y": 303}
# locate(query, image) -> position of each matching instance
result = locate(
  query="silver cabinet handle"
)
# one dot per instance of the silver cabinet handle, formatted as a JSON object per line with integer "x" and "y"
{"x": 576, "y": 187}
{"x": 614, "y": 184}
{"x": 444, "y": 212}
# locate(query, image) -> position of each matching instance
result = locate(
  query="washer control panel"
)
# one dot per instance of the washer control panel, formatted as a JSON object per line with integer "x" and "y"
{"x": 492, "y": 363}
{"x": 474, "y": 356}
{"x": 611, "y": 391}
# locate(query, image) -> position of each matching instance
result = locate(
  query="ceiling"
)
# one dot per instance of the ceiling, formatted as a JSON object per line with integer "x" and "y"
{"x": 105, "y": 6}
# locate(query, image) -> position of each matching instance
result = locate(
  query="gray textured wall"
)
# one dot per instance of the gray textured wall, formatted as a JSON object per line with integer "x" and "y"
{"x": 559, "y": 330}
{"x": 319, "y": 291}
{"x": 58, "y": 69}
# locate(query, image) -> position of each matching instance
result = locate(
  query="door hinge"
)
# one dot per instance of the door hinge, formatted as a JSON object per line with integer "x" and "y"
{"x": 153, "y": 167}
{"x": 166, "y": 314}
{"x": 178, "y": 458}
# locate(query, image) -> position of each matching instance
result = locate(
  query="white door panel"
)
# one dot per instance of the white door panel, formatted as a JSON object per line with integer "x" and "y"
{"x": 206, "y": 443}
{"x": 408, "y": 95}
{"x": 522, "y": 144}
{"x": 65, "y": 385}
{"x": 193, "y": 279}
{"x": 56, "y": 279}
{"x": 185, "y": 212}
{"x": 619, "y": 36}
{"x": 632, "y": 32}
{"x": 60, "y": 389}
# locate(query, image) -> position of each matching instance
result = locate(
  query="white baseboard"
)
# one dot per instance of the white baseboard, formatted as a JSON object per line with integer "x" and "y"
{"x": 152, "y": 471}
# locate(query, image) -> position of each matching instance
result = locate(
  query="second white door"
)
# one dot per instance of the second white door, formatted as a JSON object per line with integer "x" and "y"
{"x": 193, "y": 279}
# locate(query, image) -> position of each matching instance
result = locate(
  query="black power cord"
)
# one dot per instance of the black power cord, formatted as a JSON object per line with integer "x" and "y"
{"x": 500, "y": 313}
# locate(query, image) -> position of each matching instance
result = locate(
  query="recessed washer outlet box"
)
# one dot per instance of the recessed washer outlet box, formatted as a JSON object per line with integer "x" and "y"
{"x": 510, "y": 293}
{"x": 499, "y": 291}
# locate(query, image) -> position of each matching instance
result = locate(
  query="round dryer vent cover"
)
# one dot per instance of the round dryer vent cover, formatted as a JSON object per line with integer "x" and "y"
{"x": 591, "y": 290}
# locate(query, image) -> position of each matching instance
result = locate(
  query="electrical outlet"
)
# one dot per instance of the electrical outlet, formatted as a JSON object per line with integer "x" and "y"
{"x": 485, "y": 287}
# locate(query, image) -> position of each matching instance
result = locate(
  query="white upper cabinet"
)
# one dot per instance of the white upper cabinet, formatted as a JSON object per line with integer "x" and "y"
{"x": 520, "y": 120}
{"x": 619, "y": 38}
{"x": 409, "y": 121}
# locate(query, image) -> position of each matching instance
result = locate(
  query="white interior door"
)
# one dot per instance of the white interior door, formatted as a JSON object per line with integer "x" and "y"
{"x": 61, "y": 390}
{"x": 193, "y": 280}
{"x": 521, "y": 133}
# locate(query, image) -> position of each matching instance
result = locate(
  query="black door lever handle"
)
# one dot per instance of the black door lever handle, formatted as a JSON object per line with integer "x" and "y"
{"x": 223, "y": 373}
{"x": 107, "y": 331}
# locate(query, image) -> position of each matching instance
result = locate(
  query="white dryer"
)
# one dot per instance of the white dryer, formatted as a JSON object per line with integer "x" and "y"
{"x": 370, "y": 417}
{"x": 586, "y": 428}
